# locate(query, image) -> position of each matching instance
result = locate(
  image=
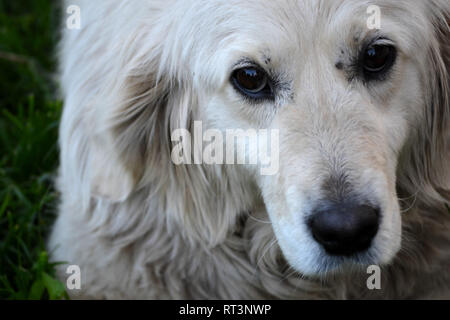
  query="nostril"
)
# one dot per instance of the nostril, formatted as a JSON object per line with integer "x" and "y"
{"x": 345, "y": 229}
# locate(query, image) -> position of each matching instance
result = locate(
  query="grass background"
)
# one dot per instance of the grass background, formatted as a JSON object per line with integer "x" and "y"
{"x": 29, "y": 118}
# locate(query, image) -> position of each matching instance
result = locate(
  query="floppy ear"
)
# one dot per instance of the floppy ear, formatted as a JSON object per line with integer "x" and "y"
{"x": 131, "y": 118}
{"x": 128, "y": 126}
{"x": 428, "y": 173}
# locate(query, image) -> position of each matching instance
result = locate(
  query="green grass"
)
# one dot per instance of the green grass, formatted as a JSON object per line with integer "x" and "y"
{"x": 29, "y": 113}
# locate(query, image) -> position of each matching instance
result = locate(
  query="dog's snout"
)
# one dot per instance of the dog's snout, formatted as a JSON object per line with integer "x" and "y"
{"x": 344, "y": 229}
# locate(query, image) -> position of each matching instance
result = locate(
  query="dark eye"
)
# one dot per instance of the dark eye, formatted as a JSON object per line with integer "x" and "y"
{"x": 377, "y": 60}
{"x": 252, "y": 82}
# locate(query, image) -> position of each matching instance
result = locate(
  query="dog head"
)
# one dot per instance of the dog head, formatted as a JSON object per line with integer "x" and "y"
{"x": 360, "y": 110}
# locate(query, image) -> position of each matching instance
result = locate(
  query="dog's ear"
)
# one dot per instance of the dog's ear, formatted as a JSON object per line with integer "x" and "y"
{"x": 429, "y": 171}
{"x": 130, "y": 122}
{"x": 117, "y": 147}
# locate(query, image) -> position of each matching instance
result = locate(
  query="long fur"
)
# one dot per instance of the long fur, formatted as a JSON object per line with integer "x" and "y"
{"x": 141, "y": 227}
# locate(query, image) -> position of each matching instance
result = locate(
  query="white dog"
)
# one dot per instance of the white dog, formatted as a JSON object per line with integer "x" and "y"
{"x": 363, "y": 116}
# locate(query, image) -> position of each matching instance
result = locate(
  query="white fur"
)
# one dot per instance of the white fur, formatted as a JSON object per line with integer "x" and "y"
{"x": 141, "y": 227}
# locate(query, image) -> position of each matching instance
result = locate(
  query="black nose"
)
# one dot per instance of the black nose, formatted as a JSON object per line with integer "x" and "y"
{"x": 345, "y": 229}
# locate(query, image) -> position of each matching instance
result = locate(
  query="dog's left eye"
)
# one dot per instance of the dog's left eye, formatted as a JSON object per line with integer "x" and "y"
{"x": 252, "y": 82}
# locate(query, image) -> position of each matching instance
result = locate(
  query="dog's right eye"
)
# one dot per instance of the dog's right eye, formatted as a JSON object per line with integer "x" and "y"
{"x": 377, "y": 60}
{"x": 253, "y": 83}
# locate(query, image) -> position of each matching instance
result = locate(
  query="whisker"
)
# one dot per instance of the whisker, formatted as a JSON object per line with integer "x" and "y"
{"x": 264, "y": 253}
{"x": 257, "y": 220}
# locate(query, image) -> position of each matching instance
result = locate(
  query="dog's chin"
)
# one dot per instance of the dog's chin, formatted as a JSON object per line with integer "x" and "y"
{"x": 330, "y": 265}
{"x": 317, "y": 263}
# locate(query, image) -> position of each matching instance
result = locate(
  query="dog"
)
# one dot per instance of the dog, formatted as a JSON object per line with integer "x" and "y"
{"x": 358, "y": 93}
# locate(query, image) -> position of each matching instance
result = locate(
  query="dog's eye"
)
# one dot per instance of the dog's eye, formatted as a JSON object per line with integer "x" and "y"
{"x": 252, "y": 82}
{"x": 377, "y": 60}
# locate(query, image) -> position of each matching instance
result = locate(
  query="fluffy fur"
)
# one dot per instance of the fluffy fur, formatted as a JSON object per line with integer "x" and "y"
{"x": 141, "y": 227}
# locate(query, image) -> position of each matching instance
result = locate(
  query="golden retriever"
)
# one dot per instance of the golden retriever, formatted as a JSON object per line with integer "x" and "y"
{"x": 357, "y": 93}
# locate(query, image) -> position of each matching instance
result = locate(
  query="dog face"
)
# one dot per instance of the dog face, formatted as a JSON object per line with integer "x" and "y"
{"x": 345, "y": 99}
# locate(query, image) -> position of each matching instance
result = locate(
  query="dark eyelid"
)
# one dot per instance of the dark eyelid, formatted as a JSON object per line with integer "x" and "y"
{"x": 246, "y": 63}
{"x": 377, "y": 40}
